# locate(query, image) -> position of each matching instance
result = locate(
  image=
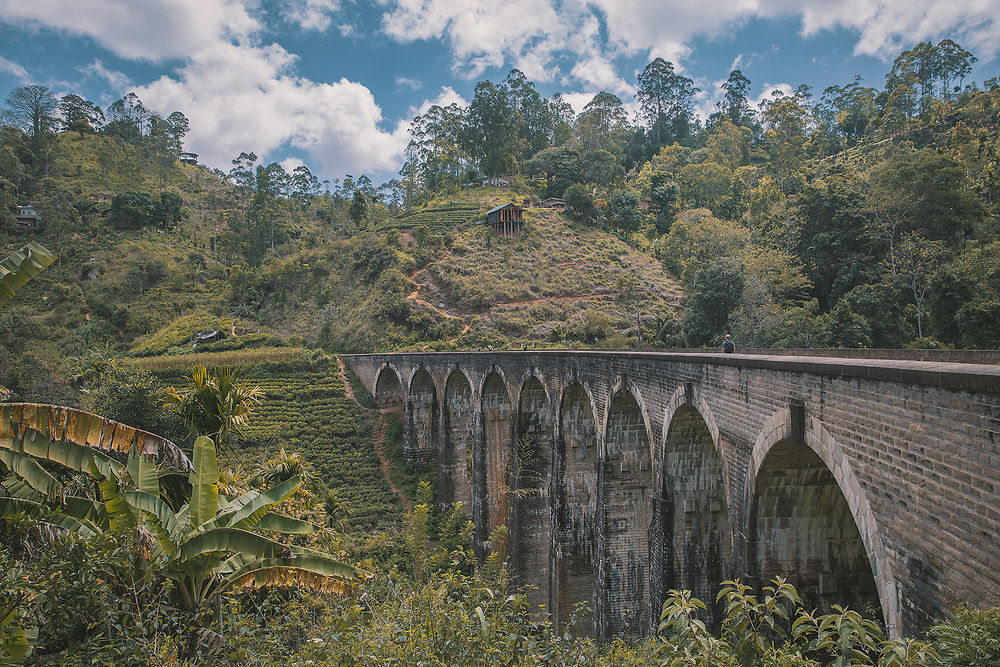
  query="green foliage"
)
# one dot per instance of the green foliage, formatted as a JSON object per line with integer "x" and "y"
{"x": 214, "y": 404}
{"x": 19, "y": 267}
{"x": 971, "y": 638}
{"x": 715, "y": 293}
{"x": 436, "y": 219}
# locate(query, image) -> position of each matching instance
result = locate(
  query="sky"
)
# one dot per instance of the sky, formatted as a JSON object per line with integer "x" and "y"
{"x": 334, "y": 84}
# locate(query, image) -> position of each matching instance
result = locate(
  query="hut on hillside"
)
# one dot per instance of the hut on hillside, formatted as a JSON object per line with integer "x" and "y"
{"x": 26, "y": 218}
{"x": 505, "y": 219}
{"x": 554, "y": 203}
{"x": 188, "y": 158}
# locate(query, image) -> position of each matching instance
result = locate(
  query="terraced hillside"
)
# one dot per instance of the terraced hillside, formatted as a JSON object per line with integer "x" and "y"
{"x": 307, "y": 410}
{"x": 436, "y": 219}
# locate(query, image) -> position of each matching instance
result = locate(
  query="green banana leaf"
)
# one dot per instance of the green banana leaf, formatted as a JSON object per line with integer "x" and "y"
{"x": 319, "y": 573}
{"x": 279, "y": 523}
{"x": 30, "y": 472}
{"x": 230, "y": 540}
{"x": 41, "y": 512}
{"x": 250, "y": 513}
{"x": 20, "y": 266}
{"x": 204, "y": 480}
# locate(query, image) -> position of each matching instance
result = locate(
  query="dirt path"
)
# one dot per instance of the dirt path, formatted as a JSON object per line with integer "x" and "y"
{"x": 378, "y": 437}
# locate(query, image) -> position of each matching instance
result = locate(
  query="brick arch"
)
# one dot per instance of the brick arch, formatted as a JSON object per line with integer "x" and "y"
{"x": 421, "y": 412}
{"x": 626, "y": 384}
{"x": 531, "y": 476}
{"x": 693, "y": 538}
{"x": 576, "y": 497}
{"x": 391, "y": 368}
{"x": 783, "y": 427}
{"x": 628, "y": 499}
{"x": 458, "y": 419}
{"x": 497, "y": 434}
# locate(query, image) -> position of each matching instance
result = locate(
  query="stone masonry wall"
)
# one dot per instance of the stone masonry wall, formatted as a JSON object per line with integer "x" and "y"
{"x": 913, "y": 448}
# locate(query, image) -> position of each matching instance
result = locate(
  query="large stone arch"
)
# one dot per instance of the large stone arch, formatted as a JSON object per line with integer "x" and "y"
{"x": 576, "y": 484}
{"x": 458, "y": 424}
{"x": 786, "y": 524}
{"x": 627, "y": 498}
{"x": 497, "y": 440}
{"x": 530, "y": 479}
{"x": 421, "y": 417}
{"x": 694, "y": 549}
{"x": 388, "y": 392}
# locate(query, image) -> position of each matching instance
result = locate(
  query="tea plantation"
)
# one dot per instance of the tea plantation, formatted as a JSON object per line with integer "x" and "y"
{"x": 306, "y": 410}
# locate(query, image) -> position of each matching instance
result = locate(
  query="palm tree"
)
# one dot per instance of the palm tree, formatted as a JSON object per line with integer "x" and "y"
{"x": 214, "y": 405}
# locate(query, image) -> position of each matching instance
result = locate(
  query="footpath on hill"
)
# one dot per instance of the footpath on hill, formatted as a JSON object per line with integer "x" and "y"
{"x": 378, "y": 434}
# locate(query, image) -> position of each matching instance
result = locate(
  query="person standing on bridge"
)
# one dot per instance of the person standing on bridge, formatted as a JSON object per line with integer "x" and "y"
{"x": 728, "y": 346}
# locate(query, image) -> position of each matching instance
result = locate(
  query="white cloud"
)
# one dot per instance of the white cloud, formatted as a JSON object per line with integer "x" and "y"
{"x": 14, "y": 69}
{"x": 534, "y": 34}
{"x": 289, "y": 164}
{"x": 310, "y": 14}
{"x": 248, "y": 98}
{"x": 147, "y": 30}
{"x": 117, "y": 80}
{"x": 407, "y": 82}
{"x": 768, "y": 93}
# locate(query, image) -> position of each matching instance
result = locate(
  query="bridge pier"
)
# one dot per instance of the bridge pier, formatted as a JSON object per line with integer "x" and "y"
{"x": 871, "y": 482}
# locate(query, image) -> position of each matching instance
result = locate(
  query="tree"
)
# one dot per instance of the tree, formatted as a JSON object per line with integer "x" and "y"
{"x": 32, "y": 109}
{"x": 80, "y": 115}
{"x": 168, "y": 211}
{"x": 359, "y": 208}
{"x": 177, "y": 127}
{"x": 706, "y": 185}
{"x": 735, "y": 104}
{"x": 664, "y": 97}
{"x": 602, "y": 124}
{"x": 580, "y": 202}
{"x": 715, "y": 292}
{"x": 489, "y": 132}
{"x": 132, "y": 210}
{"x": 917, "y": 261}
{"x": 128, "y": 118}
{"x": 214, "y": 405}
{"x": 623, "y": 211}
{"x": 561, "y": 166}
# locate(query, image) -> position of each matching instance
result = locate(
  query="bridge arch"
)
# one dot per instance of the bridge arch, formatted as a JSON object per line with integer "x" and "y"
{"x": 421, "y": 417}
{"x": 809, "y": 517}
{"x": 694, "y": 549}
{"x": 497, "y": 442}
{"x": 530, "y": 479}
{"x": 576, "y": 490}
{"x": 388, "y": 393}
{"x": 458, "y": 420}
{"x": 627, "y": 497}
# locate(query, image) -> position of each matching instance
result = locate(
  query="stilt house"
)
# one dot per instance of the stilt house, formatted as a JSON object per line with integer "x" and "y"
{"x": 505, "y": 219}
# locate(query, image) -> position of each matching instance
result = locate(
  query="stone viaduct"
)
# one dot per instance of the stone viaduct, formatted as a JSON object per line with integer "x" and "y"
{"x": 622, "y": 475}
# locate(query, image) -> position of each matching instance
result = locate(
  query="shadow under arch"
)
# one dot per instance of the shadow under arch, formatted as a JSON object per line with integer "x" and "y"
{"x": 458, "y": 420}
{"x": 810, "y": 519}
{"x": 627, "y": 478}
{"x": 388, "y": 392}
{"x": 695, "y": 541}
{"x": 421, "y": 418}
{"x": 530, "y": 480}
{"x": 575, "y": 488}
{"x": 497, "y": 441}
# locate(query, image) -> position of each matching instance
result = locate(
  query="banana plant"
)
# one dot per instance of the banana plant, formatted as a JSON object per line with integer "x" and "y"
{"x": 205, "y": 547}
{"x": 20, "y": 266}
{"x": 208, "y": 545}
{"x": 33, "y": 437}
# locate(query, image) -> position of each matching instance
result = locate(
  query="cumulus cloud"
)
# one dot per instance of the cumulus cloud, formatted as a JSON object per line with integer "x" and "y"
{"x": 596, "y": 32}
{"x": 14, "y": 69}
{"x": 311, "y": 14}
{"x": 249, "y": 98}
{"x": 151, "y": 30}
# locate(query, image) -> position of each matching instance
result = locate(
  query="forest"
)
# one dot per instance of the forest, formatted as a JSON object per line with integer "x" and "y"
{"x": 262, "y": 529}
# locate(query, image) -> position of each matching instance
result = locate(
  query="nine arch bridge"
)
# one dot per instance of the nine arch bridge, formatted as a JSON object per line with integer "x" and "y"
{"x": 622, "y": 475}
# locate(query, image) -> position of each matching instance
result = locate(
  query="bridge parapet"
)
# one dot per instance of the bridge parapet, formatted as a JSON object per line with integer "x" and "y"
{"x": 871, "y": 481}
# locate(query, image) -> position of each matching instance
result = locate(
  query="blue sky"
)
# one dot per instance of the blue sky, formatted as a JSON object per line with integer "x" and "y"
{"x": 334, "y": 83}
